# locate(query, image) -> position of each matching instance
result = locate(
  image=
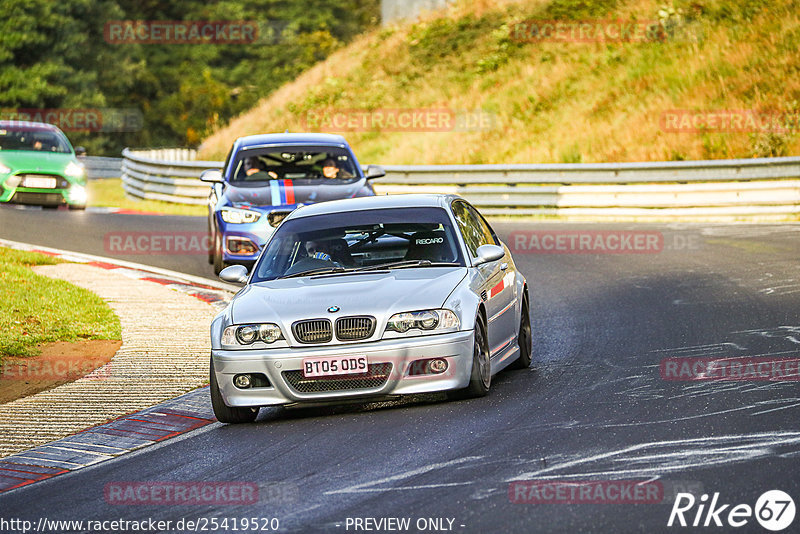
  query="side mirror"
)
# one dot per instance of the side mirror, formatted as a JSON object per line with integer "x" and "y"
{"x": 80, "y": 151}
{"x": 211, "y": 176}
{"x": 488, "y": 254}
{"x": 375, "y": 171}
{"x": 235, "y": 274}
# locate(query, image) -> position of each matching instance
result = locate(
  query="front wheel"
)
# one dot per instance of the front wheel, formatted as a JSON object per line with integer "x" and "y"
{"x": 218, "y": 263}
{"x": 480, "y": 379}
{"x": 223, "y": 412}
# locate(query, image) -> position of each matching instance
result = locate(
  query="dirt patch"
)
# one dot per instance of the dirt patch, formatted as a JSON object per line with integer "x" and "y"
{"x": 58, "y": 363}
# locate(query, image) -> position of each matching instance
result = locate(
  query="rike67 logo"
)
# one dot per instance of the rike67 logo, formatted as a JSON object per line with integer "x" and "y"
{"x": 774, "y": 510}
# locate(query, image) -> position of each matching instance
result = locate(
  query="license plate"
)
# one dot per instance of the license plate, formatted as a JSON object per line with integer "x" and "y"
{"x": 39, "y": 182}
{"x": 335, "y": 366}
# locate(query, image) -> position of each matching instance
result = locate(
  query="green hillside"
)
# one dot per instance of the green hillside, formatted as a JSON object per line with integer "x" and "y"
{"x": 555, "y": 99}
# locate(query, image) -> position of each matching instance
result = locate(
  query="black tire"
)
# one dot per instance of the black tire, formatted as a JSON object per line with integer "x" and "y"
{"x": 481, "y": 377}
{"x": 223, "y": 412}
{"x": 524, "y": 339}
{"x": 50, "y": 207}
{"x": 218, "y": 263}
{"x": 77, "y": 207}
{"x": 211, "y": 244}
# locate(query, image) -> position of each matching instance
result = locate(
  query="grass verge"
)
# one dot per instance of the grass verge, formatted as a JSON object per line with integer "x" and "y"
{"x": 108, "y": 193}
{"x": 36, "y": 309}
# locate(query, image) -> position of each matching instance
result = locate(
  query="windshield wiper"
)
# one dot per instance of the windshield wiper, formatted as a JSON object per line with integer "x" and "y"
{"x": 324, "y": 270}
{"x": 407, "y": 263}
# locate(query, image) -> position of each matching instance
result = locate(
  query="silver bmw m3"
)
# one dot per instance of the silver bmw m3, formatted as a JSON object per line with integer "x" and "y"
{"x": 370, "y": 298}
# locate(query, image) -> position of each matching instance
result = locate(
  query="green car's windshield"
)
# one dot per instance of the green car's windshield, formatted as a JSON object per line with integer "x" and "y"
{"x": 33, "y": 139}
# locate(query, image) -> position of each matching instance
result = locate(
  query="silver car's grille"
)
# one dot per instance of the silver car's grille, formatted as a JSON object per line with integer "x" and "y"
{"x": 354, "y": 328}
{"x": 376, "y": 377}
{"x": 313, "y": 331}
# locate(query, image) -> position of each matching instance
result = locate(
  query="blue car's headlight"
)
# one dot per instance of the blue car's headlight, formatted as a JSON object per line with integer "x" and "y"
{"x": 235, "y": 216}
{"x": 247, "y": 334}
{"x": 421, "y": 322}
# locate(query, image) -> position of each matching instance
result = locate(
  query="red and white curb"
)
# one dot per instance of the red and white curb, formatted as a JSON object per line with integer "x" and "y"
{"x": 217, "y": 294}
{"x": 110, "y": 440}
{"x": 131, "y": 432}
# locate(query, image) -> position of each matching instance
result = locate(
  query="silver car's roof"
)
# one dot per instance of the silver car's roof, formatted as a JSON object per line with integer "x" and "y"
{"x": 371, "y": 203}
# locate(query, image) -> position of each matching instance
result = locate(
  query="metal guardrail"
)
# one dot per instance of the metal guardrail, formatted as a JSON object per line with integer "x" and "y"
{"x": 725, "y": 188}
{"x": 100, "y": 167}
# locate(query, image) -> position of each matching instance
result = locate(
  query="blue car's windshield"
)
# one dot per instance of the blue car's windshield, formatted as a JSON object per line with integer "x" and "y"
{"x": 358, "y": 240}
{"x": 33, "y": 139}
{"x": 320, "y": 163}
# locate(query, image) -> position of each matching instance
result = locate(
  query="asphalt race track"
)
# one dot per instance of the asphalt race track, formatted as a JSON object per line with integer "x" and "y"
{"x": 594, "y": 408}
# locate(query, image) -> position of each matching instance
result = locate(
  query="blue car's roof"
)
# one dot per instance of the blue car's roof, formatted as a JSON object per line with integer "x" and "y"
{"x": 290, "y": 139}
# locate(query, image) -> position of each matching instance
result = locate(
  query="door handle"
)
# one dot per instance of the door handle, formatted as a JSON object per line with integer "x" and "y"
{"x": 503, "y": 266}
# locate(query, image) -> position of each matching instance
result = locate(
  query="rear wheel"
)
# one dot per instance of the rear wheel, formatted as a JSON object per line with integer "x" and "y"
{"x": 78, "y": 207}
{"x": 481, "y": 377}
{"x": 524, "y": 339}
{"x": 223, "y": 412}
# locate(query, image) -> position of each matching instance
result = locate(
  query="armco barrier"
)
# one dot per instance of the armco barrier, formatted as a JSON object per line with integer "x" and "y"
{"x": 716, "y": 188}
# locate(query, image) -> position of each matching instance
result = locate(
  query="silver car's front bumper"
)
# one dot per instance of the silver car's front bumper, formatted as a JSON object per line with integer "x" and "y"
{"x": 456, "y": 348}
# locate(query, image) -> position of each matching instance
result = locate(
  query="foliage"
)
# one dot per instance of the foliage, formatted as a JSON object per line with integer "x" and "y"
{"x": 54, "y": 55}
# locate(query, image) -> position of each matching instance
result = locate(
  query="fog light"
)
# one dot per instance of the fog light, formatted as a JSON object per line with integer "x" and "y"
{"x": 241, "y": 246}
{"x": 242, "y": 381}
{"x": 437, "y": 366}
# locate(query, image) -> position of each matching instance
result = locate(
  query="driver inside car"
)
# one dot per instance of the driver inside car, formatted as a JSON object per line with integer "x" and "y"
{"x": 331, "y": 170}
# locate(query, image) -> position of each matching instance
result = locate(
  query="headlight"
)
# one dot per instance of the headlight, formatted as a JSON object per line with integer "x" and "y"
{"x": 77, "y": 194}
{"x": 239, "y": 216}
{"x": 420, "y": 322}
{"x": 13, "y": 181}
{"x": 250, "y": 333}
{"x": 4, "y": 169}
{"x": 74, "y": 170}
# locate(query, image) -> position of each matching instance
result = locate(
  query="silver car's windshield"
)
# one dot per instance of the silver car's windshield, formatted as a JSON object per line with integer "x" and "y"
{"x": 341, "y": 242}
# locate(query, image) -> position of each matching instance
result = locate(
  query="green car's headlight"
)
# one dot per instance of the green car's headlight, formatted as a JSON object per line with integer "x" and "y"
{"x": 74, "y": 170}
{"x": 247, "y": 334}
{"x": 422, "y": 322}
{"x": 239, "y": 216}
{"x": 4, "y": 169}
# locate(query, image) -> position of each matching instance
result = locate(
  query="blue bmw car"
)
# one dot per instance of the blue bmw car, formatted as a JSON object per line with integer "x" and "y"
{"x": 265, "y": 178}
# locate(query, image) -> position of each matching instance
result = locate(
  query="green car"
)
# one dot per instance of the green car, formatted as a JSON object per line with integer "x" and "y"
{"x": 38, "y": 166}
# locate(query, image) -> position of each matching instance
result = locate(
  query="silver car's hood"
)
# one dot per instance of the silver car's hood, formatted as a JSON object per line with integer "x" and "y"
{"x": 379, "y": 294}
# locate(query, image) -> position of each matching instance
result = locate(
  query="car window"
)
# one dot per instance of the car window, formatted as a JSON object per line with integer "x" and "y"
{"x": 33, "y": 139}
{"x": 474, "y": 229}
{"x": 359, "y": 239}
{"x": 329, "y": 164}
